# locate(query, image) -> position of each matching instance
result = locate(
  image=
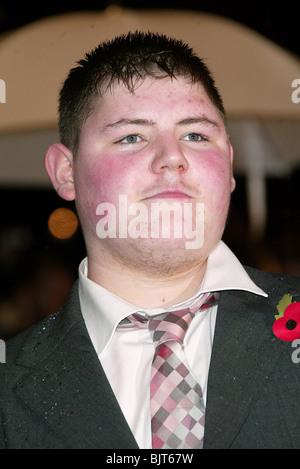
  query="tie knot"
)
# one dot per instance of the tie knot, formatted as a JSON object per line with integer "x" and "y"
{"x": 170, "y": 326}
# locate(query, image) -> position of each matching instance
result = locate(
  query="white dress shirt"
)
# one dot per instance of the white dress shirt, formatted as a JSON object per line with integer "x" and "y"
{"x": 126, "y": 354}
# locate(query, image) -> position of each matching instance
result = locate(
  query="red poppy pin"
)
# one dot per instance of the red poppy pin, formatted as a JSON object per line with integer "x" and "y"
{"x": 287, "y": 324}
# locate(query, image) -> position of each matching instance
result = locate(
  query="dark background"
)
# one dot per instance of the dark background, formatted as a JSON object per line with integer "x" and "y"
{"x": 279, "y": 21}
{"x": 37, "y": 270}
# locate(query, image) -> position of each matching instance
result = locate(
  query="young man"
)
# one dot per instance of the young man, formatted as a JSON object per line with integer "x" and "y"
{"x": 145, "y": 154}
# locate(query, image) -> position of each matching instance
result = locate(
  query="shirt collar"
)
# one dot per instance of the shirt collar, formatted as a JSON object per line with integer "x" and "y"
{"x": 102, "y": 310}
{"x": 225, "y": 272}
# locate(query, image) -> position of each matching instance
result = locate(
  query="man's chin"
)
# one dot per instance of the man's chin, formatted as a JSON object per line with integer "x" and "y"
{"x": 155, "y": 257}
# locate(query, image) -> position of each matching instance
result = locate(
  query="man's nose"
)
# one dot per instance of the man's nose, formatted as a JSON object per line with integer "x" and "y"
{"x": 169, "y": 156}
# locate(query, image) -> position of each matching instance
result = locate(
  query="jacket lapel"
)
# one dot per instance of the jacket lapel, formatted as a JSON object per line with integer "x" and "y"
{"x": 244, "y": 352}
{"x": 68, "y": 388}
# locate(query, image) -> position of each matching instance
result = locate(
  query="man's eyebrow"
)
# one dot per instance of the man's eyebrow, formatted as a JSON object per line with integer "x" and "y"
{"x": 147, "y": 122}
{"x": 125, "y": 122}
{"x": 199, "y": 120}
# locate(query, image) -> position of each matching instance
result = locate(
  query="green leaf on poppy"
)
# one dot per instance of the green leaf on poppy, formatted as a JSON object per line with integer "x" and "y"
{"x": 285, "y": 301}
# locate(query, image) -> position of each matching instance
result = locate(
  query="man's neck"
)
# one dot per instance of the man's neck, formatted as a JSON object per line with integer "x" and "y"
{"x": 147, "y": 291}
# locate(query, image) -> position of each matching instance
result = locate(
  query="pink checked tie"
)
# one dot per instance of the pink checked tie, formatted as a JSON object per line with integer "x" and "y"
{"x": 177, "y": 407}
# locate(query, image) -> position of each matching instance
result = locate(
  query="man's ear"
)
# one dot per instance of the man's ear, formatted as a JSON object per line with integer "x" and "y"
{"x": 59, "y": 166}
{"x": 231, "y": 162}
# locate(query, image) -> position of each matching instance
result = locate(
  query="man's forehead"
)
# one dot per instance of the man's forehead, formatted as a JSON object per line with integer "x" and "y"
{"x": 112, "y": 97}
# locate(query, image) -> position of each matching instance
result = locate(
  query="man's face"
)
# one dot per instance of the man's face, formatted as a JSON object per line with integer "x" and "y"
{"x": 166, "y": 142}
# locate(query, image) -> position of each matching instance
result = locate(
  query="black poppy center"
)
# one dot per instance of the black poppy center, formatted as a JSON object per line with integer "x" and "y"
{"x": 291, "y": 324}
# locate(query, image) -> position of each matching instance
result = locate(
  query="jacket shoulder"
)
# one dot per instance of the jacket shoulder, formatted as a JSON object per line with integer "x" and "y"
{"x": 45, "y": 332}
{"x": 19, "y": 343}
{"x": 275, "y": 283}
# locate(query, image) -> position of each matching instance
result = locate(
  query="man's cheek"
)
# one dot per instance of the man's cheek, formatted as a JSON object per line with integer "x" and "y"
{"x": 216, "y": 188}
{"x": 96, "y": 185}
{"x": 109, "y": 179}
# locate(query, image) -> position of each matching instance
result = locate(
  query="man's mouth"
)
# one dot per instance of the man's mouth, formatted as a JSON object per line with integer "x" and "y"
{"x": 169, "y": 194}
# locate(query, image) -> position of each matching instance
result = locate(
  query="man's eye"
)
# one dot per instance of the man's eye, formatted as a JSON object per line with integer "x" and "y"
{"x": 194, "y": 137}
{"x": 130, "y": 139}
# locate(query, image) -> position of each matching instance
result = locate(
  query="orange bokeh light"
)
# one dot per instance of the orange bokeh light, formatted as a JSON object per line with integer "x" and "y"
{"x": 63, "y": 223}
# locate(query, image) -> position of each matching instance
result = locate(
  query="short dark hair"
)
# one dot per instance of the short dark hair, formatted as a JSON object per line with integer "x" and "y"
{"x": 126, "y": 59}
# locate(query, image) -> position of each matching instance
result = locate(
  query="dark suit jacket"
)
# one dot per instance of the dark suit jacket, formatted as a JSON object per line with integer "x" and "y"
{"x": 54, "y": 393}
